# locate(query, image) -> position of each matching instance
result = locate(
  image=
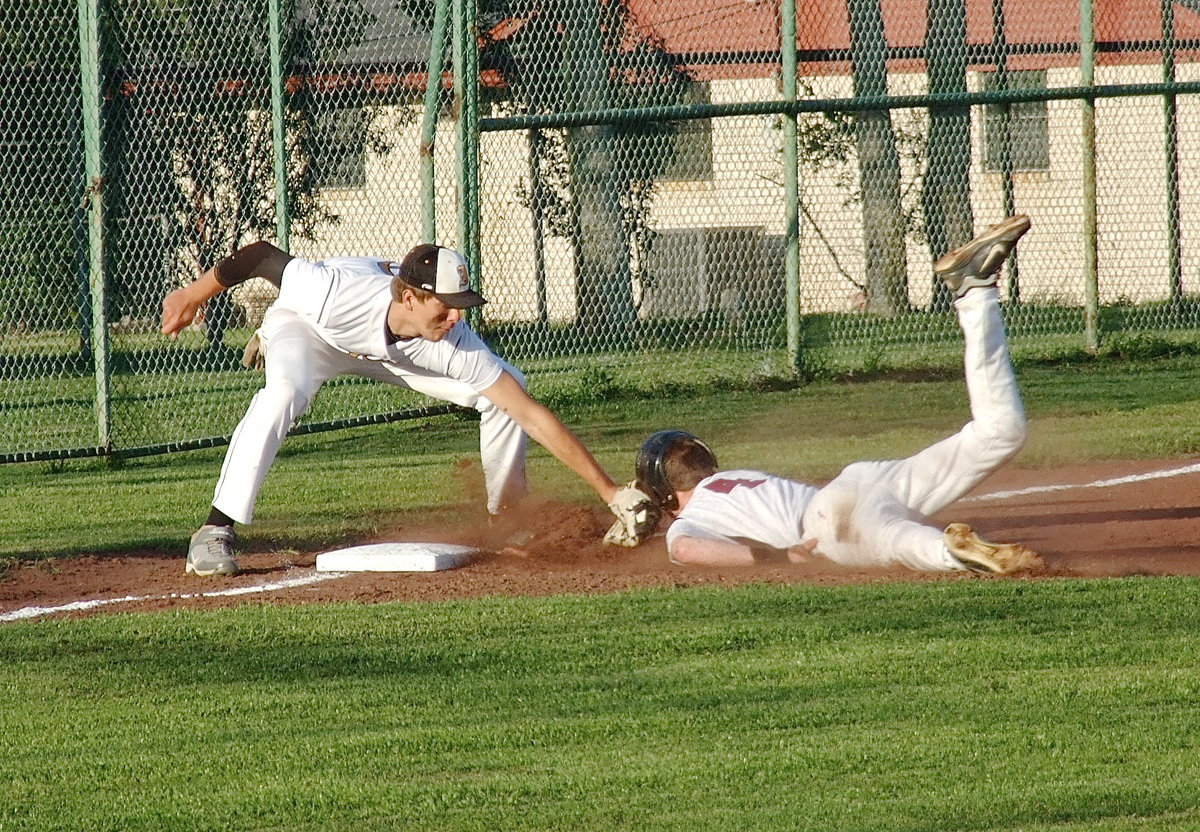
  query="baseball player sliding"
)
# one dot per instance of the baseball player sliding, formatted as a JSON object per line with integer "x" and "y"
{"x": 396, "y": 322}
{"x": 872, "y": 513}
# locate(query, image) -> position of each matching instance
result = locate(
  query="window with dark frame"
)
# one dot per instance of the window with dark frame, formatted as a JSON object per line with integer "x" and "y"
{"x": 1028, "y": 134}
{"x": 691, "y": 144}
{"x": 340, "y": 154}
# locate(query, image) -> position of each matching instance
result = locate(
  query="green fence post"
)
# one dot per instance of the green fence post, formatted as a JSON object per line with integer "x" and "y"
{"x": 90, "y": 72}
{"x": 1091, "y": 284}
{"x": 791, "y": 184}
{"x": 537, "y": 201}
{"x": 1000, "y": 42}
{"x": 466, "y": 132}
{"x": 283, "y": 219}
{"x": 429, "y": 122}
{"x": 1171, "y": 149}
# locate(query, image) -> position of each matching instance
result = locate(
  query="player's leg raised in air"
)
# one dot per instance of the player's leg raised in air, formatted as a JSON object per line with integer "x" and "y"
{"x": 997, "y": 429}
{"x": 887, "y": 501}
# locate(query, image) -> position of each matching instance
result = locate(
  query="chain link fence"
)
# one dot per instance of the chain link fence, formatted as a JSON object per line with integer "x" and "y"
{"x": 657, "y": 194}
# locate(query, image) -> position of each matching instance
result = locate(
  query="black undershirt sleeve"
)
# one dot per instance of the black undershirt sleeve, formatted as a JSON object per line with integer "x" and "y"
{"x": 255, "y": 260}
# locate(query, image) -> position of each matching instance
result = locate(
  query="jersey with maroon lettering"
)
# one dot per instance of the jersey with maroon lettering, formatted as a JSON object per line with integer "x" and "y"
{"x": 745, "y": 504}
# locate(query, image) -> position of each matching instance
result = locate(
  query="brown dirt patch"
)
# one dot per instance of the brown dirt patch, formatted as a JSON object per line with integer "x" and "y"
{"x": 1144, "y": 527}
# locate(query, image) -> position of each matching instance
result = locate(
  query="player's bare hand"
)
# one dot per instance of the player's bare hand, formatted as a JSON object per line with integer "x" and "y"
{"x": 806, "y": 552}
{"x": 179, "y": 309}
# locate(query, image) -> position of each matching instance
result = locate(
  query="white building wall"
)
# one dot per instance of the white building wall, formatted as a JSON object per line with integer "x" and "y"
{"x": 745, "y": 191}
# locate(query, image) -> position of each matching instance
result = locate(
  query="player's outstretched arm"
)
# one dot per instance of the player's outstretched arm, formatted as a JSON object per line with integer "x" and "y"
{"x": 257, "y": 259}
{"x": 545, "y": 428}
{"x": 702, "y": 551}
{"x": 179, "y": 308}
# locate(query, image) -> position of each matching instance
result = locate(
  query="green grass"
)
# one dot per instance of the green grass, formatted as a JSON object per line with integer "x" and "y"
{"x": 947, "y": 706}
{"x": 955, "y": 705}
{"x": 162, "y": 393}
{"x": 341, "y": 486}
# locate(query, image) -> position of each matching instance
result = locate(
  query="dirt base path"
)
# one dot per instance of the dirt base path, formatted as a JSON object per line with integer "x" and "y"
{"x": 1096, "y": 520}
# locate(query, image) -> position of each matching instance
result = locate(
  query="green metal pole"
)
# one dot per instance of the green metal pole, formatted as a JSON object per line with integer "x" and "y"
{"x": 584, "y": 116}
{"x": 283, "y": 219}
{"x": 1171, "y": 140}
{"x": 90, "y": 72}
{"x": 791, "y": 185}
{"x": 1091, "y": 285}
{"x": 429, "y": 122}
{"x": 466, "y": 133}
{"x": 537, "y": 210}
{"x": 1008, "y": 198}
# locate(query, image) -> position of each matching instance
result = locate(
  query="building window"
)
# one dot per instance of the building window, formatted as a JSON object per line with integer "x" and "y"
{"x": 691, "y": 143}
{"x": 1028, "y": 133}
{"x": 340, "y": 154}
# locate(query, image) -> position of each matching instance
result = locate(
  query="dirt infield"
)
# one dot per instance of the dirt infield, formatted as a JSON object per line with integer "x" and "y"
{"x": 1097, "y": 520}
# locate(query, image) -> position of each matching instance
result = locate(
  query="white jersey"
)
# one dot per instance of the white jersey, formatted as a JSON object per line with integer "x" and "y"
{"x": 745, "y": 505}
{"x": 346, "y": 300}
{"x": 330, "y": 319}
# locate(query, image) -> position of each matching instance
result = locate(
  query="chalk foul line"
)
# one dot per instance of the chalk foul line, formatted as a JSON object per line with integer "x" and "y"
{"x": 273, "y": 586}
{"x": 1109, "y": 483}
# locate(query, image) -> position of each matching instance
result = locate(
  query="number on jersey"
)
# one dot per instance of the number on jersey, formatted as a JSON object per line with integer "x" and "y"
{"x": 724, "y": 486}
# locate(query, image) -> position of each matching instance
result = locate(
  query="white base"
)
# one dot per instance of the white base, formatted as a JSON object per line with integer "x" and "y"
{"x": 396, "y": 557}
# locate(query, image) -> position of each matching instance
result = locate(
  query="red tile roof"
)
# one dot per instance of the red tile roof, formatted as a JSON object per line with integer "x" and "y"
{"x": 745, "y": 31}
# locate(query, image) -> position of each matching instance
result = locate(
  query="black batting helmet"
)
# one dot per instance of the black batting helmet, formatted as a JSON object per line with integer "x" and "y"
{"x": 651, "y": 476}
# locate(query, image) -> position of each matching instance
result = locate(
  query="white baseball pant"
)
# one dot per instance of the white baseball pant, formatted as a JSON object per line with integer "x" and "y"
{"x": 298, "y": 362}
{"x": 873, "y": 513}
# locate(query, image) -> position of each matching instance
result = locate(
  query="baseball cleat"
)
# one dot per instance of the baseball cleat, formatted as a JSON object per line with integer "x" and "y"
{"x": 979, "y": 555}
{"x": 978, "y": 262}
{"x": 209, "y": 552}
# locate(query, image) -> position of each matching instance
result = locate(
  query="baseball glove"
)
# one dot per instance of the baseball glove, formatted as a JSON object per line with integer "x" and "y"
{"x": 637, "y": 517}
{"x": 253, "y": 357}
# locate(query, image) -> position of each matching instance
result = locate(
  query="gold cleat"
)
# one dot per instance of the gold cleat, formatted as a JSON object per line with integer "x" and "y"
{"x": 978, "y": 262}
{"x": 979, "y": 555}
